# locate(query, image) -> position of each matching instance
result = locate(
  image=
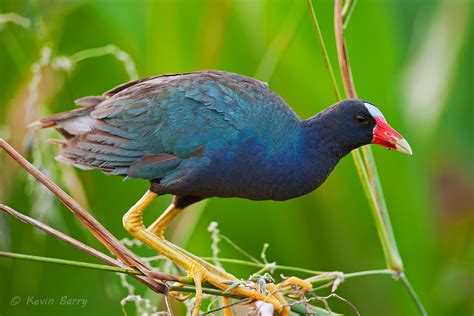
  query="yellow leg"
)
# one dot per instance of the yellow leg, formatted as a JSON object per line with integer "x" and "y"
{"x": 228, "y": 310}
{"x": 133, "y": 222}
{"x": 158, "y": 227}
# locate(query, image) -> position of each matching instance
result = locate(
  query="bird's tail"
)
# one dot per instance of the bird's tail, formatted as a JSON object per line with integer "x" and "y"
{"x": 90, "y": 143}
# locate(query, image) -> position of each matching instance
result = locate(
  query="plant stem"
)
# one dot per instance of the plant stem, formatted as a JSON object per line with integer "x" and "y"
{"x": 412, "y": 293}
{"x": 363, "y": 158}
{"x": 368, "y": 272}
{"x": 378, "y": 205}
{"x": 322, "y": 276}
{"x": 262, "y": 265}
{"x": 70, "y": 263}
{"x": 370, "y": 179}
{"x": 236, "y": 247}
{"x": 347, "y": 10}
{"x": 327, "y": 61}
{"x": 367, "y": 170}
{"x": 189, "y": 281}
{"x": 385, "y": 233}
{"x": 96, "y": 228}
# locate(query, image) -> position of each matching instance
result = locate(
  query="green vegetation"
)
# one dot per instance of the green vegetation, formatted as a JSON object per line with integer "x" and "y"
{"x": 404, "y": 58}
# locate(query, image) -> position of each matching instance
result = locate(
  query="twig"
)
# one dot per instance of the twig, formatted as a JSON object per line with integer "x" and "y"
{"x": 92, "y": 251}
{"x": 96, "y": 228}
{"x": 76, "y": 243}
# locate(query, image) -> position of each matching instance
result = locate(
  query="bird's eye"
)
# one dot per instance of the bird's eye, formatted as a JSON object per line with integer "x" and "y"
{"x": 361, "y": 120}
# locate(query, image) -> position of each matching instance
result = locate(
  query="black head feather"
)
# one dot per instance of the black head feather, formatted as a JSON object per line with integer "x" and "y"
{"x": 342, "y": 127}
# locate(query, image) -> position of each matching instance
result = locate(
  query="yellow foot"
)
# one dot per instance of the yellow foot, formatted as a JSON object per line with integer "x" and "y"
{"x": 199, "y": 274}
{"x": 294, "y": 281}
{"x": 274, "y": 290}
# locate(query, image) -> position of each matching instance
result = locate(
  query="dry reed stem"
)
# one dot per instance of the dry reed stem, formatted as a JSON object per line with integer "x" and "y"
{"x": 96, "y": 228}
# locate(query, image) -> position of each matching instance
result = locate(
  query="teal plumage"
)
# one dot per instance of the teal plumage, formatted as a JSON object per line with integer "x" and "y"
{"x": 207, "y": 133}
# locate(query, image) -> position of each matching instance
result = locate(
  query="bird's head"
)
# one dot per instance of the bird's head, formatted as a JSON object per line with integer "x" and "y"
{"x": 357, "y": 123}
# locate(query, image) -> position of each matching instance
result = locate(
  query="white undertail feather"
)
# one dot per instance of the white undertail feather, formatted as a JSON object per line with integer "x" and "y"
{"x": 77, "y": 125}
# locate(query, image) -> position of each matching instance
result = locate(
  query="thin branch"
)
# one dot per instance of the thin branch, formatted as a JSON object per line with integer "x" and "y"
{"x": 60, "y": 235}
{"x": 96, "y": 228}
{"x": 87, "y": 249}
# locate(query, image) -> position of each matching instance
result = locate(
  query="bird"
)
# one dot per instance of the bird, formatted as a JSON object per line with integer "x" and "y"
{"x": 207, "y": 134}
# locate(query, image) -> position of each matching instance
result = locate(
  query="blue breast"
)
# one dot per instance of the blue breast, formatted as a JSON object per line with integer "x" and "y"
{"x": 251, "y": 169}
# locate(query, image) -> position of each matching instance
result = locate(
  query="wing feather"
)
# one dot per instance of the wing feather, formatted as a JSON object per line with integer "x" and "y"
{"x": 147, "y": 128}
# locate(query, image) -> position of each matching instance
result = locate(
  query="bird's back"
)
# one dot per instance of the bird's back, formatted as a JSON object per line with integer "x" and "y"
{"x": 176, "y": 128}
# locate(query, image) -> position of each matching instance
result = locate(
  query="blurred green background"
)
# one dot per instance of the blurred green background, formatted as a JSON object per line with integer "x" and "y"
{"x": 414, "y": 59}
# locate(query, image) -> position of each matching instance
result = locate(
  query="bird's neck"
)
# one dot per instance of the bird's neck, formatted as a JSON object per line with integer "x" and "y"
{"x": 324, "y": 138}
{"x": 321, "y": 148}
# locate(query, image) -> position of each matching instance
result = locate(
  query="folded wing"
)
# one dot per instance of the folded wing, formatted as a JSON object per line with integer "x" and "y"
{"x": 146, "y": 128}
